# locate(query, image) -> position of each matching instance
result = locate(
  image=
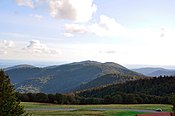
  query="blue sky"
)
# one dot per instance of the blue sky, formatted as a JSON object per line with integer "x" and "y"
{"x": 121, "y": 31}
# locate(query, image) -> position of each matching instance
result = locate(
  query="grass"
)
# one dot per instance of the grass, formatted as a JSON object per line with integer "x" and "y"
{"x": 83, "y": 113}
{"x": 84, "y": 110}
{"x": 67, "y": 113}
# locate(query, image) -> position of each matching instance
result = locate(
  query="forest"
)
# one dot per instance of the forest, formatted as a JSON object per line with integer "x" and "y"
{"x": 156, "y": 90}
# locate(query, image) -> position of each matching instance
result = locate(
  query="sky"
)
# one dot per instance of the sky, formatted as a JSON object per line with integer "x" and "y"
{"x": 123, "y": 31}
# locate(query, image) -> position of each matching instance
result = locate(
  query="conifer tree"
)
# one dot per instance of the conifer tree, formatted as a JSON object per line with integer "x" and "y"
{"x": 9, "y": 105}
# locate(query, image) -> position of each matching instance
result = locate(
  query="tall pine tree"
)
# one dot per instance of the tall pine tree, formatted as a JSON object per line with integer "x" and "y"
{"x": 9, "y": 105}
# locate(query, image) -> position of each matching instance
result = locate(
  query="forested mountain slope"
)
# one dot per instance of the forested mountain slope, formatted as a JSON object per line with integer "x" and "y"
{"x": 159, "y": 86}
{"x": 107, "y": 79}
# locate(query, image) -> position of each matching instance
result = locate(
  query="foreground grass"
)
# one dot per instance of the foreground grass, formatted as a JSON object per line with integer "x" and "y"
{"x": 83, "y": 113}
{"x": 82, "y": 110}
{"x": 164, "y": 107}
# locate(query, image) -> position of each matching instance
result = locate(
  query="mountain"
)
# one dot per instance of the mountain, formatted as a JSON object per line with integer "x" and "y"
{"x": 155, "y": 71}
{"x": 65, "y": 78}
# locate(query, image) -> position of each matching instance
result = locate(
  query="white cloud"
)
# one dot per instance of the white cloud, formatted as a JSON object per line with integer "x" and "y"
{"x": 27, "y": 3}
{"x": 37, "y": 47}
{"x": 40, "y": 1}
{"x": 106, "y": 26}
{"x": 77, "y": 10}
{"x": 8, "y": 44}
{"x": 109, "y": 27}
{"x": 5, "y": 46}
{"x": 108, "y": 52}
{"x": 74, "y": 10}
{"x": 75, "y": 28}
{"x": 39, "y": 17}
{"x": 68, "y": 35}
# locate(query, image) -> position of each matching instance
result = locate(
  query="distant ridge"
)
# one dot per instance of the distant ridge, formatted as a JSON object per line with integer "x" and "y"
{"x": 155, "y": 71}
{"x": 19, "y": 66}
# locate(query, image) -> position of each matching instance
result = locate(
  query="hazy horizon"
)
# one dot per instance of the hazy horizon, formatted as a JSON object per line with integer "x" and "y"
{"x": 11, "y": 63}
{"x": 126, "y": 32}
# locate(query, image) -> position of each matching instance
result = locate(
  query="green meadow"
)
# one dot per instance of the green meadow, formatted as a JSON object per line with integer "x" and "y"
{"x": 43, "y": 109}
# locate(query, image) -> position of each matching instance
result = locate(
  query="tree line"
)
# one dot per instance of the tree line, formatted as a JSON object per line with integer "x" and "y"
{"x": 117, "y": 98}
{"x": 48, "y": 98}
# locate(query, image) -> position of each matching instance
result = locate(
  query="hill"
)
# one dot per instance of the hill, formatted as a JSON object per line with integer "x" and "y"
{"x": 155, "y": 71}
{"x": 64, "y": 78}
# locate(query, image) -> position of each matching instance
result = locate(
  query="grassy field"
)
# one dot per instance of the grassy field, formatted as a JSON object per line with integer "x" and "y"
{"x": 84, "y": 113}
{"x": 82, "y": 110}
